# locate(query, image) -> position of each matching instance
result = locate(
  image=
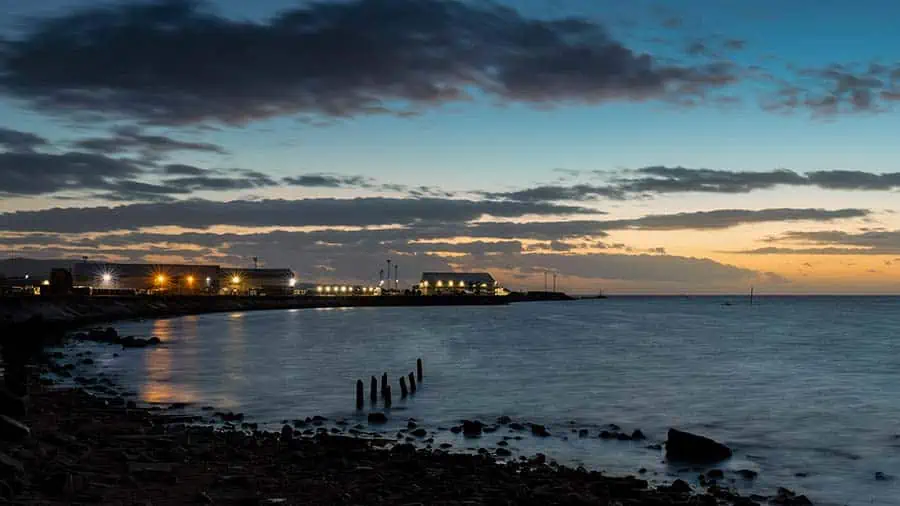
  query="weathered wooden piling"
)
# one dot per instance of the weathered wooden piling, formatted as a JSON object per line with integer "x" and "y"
{"x": 403, "y": 391}
{"x": 386, "y": 392}
{"x": 373, "y": 390}
{"x": 412, "y": 383}
{"x": 384, "y": 383}
{"x": 360, "y": 397}
{"x": 419, "y": 369}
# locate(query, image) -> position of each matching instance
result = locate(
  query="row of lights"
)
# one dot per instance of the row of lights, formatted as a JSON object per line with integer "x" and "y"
{"x": 344, "y": 289}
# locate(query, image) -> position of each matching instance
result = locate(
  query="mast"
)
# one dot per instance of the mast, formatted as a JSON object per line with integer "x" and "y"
{"x": 751, "y": 295}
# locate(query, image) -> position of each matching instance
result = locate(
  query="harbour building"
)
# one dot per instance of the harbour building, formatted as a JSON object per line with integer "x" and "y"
{"x": 459, "y": 283}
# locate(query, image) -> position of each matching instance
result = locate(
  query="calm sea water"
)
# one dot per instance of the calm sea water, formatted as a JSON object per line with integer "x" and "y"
{"x": 807, "y": 386}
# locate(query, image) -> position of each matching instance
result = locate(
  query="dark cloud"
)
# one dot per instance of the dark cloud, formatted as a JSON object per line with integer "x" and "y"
{"x": 23, "y": 173}
{"x": 727, "y": 218}
{"x": 180, "y": 169}
{"x": 20, "y": 142}
{"x": 666, "y": 180}
{"x": 151, "y": 147}
{"x": 176, "y": 62}
{"x": 203, "y": 213}
{"x": 328, "y": 181}
{"x": 836, "y": 89}
{"x": 833, "y": 242}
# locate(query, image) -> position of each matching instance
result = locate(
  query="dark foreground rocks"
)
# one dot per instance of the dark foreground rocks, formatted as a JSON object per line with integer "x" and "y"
{"x": 83, "y": 450}
{"x": 686, "y": 447}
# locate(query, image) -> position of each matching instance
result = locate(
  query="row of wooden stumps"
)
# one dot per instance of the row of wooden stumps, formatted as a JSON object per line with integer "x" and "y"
{"x": 386, "y": 388}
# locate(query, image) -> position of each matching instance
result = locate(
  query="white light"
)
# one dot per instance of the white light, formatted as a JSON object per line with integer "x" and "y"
{"x": 318, "y": 288}
{"x": 46, "y": 282}
{"x": 292, "y": 282}
{"x": 236, "y": 280}
{"x": 208, "y": 281}
{"x": 107, "y": 277}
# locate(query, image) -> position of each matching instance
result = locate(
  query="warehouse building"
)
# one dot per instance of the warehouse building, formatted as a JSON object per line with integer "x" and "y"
{"x": 459, "y": 283}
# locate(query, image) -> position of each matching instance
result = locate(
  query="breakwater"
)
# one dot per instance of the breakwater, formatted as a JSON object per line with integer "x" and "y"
{"x": 75, "y": 310}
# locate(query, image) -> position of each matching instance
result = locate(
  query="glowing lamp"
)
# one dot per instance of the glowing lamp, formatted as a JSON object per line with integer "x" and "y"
{"x": 236, "y": 280}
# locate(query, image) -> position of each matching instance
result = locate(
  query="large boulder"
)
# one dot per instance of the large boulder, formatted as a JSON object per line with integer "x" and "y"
{"x": 13, "y": 430}
{"x": 686, "y": 447}
{"x": 12, "y": 404}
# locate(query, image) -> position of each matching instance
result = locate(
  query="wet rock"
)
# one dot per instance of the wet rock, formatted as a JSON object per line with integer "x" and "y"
{"x": 538, "y": 460}
{"x": 10, "y": 466}
{"x": 504, "y": 420}
{"x": 715, "y": 474}
{"x": 411, "y": 425}
{"x": 472, "y": 429}
{"x": 607, "y": 435}
{"x": 489, "y": 429}
{"x": 686, "y": 447}
{"x": 880, "y": 476}
{"x": 622, "y": 436}
{"x": 583, "y": 433}
{"x": 786, "y": 497}
{"x": 539, "y": 430}
{"x": 502, "y": 452}
{"x": 747, "y": 474}
{"x": 456, "y": 430}
{"x": 680, "y": 487}
{"x": 446, "y": 445}
{"x": 88, "y": 361}
{"x": 419, "y": 433}
{"x": 378, "y": 418}
{"x": 287, "y": 433}
{"x": 502, "y": 443}
{"x": 516, "y": 426}
{"x": 12, "y": 404}
{"x": 642, "y": 470}
{"x": 13, "y": 430}
{"x": 637, "y": 435}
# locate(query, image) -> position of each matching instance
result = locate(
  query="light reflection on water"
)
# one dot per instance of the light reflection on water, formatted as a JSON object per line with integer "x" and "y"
{"x": 794, "y": 385}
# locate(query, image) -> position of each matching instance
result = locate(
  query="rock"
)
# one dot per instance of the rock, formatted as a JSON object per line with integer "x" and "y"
{"x": 154, "y": 341}
{"x": 446, "y": 445}
{"x": 411, "y": 425}
{"x": 88, "y": 361}
{"x": 583, "y": 433}
{"x": 287, "y": 433}
{"x": 879, "y": 476}
{"x": 502, "y": 443}
{"x": 377, "y": 418}
{"x": 686, "y": 447}
{"x": 642, "y": 470}
{"x": 715, "y": 474}
{"x": 786, "y": 497}
{"x": 203, "y": 498}
{"x": 538, "y": 460}
{"x": 637, "y": 435}
{"x": 472, "y": 429}
{"x": 622, "y": 436}
{"x": 504, "y": 420}
{"x": 680, "y": 487}
{"x": 502, "y": 452}
{"x": 539, "y": 430}
{"x": 747, "y": 474}
{"x": 607, "y": 435}
{"x": 12, "y": 404}
{"x": 10, "y": 466}
{"x": 516, "y": 426}
{"x": 419, "y": 432}
{"x": 13, "y": 430}
{"x": 456, "y": 430}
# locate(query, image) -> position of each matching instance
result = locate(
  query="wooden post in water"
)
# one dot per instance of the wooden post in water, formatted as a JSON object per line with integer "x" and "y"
{"x": 360, "y": 397}
{"x": 419, "y": 370}
{"x": 412, "y": 383}
{"x": 386, "y": 392}
{"x": 384, "y": 383}
{"x": 403, "y": 391}
{"x": 373, "y": 390}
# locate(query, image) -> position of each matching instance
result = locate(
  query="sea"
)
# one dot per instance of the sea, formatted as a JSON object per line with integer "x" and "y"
{"x": 805, "y": 390}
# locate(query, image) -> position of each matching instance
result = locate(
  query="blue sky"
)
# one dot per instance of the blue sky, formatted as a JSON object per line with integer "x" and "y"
{"x": 494, "y": 143}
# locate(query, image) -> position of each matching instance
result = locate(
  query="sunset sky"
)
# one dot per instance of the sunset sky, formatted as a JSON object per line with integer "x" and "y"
{"x": 695, "y": 146}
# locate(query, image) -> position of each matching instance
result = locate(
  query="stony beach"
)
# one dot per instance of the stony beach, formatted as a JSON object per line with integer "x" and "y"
{"x": 94, "y": 445}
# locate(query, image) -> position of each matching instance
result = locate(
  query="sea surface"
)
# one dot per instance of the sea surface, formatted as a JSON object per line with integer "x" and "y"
{"x": 806, "y": 390}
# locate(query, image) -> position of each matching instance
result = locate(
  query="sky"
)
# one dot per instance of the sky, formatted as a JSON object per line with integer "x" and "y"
{"x": 701, "y": 146}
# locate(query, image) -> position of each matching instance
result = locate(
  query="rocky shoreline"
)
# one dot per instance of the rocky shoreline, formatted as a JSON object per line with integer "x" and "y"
{"x": 80, "y": 447}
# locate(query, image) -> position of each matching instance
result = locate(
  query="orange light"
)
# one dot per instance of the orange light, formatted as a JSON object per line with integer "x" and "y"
{"x": 160, "y": 279}
{"x": 190, "y": 280}
{"x": 236, "y": 280}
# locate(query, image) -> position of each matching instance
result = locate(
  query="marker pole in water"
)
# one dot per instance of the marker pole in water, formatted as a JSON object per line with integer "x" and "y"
{"x": 360, "y": 397}
{"x": 412, "y": 383}
{"x": 373, "y": 390}
{"x": 419, "y": 370}
{"x": 384, "y": 383}
{"x": 403, "y": 391}
{"x": 386, "y": 392}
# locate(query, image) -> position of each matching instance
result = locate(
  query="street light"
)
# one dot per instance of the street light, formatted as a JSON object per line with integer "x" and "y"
{"x": 107, "y": 277}
{"x": 292, "y": 282}
{"x": 160, "y": 279}
{"x": 236, "y": 280}
{"x": 190, "y": 280}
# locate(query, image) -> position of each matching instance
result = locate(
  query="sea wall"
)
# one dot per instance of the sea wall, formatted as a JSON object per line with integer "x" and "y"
{"x": 75, "y": 310}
